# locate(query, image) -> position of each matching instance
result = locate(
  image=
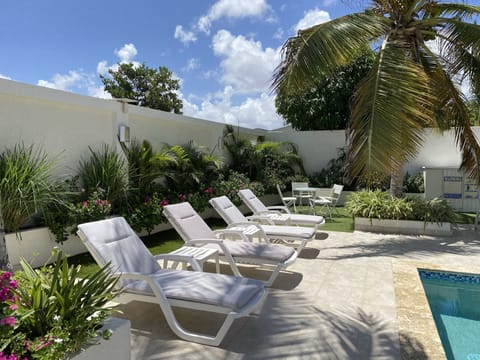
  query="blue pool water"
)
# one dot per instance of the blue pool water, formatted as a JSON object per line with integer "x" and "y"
{"x": 454, "y": 299}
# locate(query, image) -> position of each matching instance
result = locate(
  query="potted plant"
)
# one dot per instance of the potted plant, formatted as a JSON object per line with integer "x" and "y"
{"x": 378, "y": 211}
{"x": 50, "y": 313}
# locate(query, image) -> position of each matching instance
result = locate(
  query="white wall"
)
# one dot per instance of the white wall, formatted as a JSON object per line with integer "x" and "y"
{"x": 65, "y": 124}
{"x": 318, "y": 147}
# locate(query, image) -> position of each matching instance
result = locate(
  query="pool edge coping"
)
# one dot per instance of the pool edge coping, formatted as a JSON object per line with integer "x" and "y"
{"x": 414, "y": 317}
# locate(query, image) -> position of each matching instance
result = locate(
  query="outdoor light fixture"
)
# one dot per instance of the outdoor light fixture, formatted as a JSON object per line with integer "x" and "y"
{"x": 124, "y": 133}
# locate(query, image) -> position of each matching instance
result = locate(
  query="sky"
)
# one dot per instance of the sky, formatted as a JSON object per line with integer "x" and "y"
{"x": 223, "y": 52}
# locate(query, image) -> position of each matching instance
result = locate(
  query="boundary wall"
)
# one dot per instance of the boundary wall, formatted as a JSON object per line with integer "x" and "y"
{"x": 66, "y": 124}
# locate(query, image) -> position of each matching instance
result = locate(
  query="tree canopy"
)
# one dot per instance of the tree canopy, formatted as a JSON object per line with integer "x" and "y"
{"x": 325, "y": 105}
{"x": 156, "y": 89}
{"x": 410, "y": 86}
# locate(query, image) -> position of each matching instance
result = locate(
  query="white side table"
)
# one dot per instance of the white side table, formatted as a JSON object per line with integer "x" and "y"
{"x": 198, "y": 253}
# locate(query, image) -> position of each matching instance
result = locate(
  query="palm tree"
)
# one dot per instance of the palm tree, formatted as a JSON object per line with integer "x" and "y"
{"x": 409, "y": 87}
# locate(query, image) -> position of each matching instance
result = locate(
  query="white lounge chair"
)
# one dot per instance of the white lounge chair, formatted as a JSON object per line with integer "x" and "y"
{"x": 287, "y": 201}
{"x": 329, "y": 202}
{"x": 279, "y": 214}
{"x": 195, "y": 232}
{"x": 113, "y": 242}
{"x": 236, "y": 220}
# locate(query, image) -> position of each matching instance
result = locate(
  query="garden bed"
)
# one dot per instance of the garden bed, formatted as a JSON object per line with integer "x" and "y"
{"x": 410, "y": 227}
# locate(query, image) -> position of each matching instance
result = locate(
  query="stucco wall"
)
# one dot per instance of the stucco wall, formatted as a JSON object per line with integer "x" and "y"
{"x": 65, "y": 124}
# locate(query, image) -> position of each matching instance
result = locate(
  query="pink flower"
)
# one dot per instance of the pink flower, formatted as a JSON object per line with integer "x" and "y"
{"x": 9, "y": 321}
{"x": 182, "y": 197}
{"x": 164, "y": 202}
{"x": 13, "y": 307}
{"x": 85, "y": 203}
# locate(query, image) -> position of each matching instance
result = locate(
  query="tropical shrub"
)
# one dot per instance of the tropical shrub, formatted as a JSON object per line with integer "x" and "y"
{"x": 233, "y": 181}
{"x": 268, "y": 162}
{"x": 50, "y": 313}
{"x": 413, "y": 183}
{"x": 26, "y": 186}
{"x": 381, "y": 205}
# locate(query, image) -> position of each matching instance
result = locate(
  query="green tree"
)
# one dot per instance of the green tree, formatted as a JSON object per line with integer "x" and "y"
{"x": 325, "y": 105}
{"x": 474, "y": 110}
{"x": 409, "y": 86}
{"x": 156, "y": 89}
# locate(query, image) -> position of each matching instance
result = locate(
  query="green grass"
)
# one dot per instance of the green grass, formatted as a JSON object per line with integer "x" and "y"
{"x": 341, "y": 220}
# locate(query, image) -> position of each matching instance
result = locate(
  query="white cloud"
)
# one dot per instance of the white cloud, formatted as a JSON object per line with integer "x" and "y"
{"x": 64, "y": 81}
{"x": 184, "y": 36}
{"x": 5, "y": 77}
{"x": 279, "y": 34}
{"x": 246, "y": 66}
{"x": 328, "y": 3}
{"x": 311, "y": 18}
{"x": 126, "y": 53}
{"x": 192, "y": 64}
{"x": 252, "y": 112}
{"x": 102, "y": 67}
{"x": 232, "y": 9}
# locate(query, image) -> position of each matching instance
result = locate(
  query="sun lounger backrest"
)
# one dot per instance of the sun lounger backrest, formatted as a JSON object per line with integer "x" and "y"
{"x": 227, "y": 210}
{"x": 113, "y": 241}
{"x": 251, "y": 200}
{"x": 187, "y": 222}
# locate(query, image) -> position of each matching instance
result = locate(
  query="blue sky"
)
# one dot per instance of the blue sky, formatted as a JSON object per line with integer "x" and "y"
{"x": 223, "y": 51}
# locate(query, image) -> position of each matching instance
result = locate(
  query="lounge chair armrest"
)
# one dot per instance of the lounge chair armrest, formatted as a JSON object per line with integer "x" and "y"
{"x": 279, "y": 208}
{"x": 176, "y": 257}
{"x": 262, "y": 219}
{"x": 238, "y": 233}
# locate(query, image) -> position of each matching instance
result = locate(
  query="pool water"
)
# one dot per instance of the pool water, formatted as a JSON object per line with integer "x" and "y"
{"x": 454, "y": 300}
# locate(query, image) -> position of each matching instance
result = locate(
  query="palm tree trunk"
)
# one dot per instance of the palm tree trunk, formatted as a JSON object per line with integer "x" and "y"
{"x": 396, "y": 182}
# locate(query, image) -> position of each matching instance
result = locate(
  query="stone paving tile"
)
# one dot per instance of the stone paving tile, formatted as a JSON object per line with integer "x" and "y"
{"x": 337, "y": 301}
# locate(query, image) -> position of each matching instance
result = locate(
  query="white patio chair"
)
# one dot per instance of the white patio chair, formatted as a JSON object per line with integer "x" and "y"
{"x": 287, "y": 201}
{"x": 113, "y": 242}
{"x": 195, "y": 232}
{"x": 328, "y": 202}
{"x": 300, "y": 194}
{"x": 278, "y": 214}
{"x": 273, "y": 233}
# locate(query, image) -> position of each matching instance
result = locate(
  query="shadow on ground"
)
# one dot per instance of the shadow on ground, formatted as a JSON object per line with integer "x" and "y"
{"x": 287, "y": 327}
{"x": 463, "y": 242}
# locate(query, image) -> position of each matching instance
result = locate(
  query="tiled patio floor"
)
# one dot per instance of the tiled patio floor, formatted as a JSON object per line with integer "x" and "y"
{"x": 336, "y": 302}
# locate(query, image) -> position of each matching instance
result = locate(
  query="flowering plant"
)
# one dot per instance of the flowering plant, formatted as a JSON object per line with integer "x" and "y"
{"x": 147, "y": 213}
{"x": 50, "y": 313}
{"x": 96, "y": 207}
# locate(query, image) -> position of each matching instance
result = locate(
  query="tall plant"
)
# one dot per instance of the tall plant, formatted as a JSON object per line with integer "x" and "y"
{"x": 105, "y": 169}
{"x": 26, "y": 186}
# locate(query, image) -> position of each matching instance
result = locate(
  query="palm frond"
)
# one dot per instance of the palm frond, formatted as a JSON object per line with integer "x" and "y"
{"x": 391, "y": 106}
{"x": 455, "y": 10}
{"x": 323, "y": 47}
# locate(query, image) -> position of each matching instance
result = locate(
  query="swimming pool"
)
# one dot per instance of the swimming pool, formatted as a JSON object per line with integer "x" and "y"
{"x": 454, "y": 300}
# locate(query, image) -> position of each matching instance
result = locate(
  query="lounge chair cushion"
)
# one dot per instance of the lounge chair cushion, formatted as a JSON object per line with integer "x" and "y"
{"x": 288, "y": 231}
{"x": 214, "y": 289}
{"x": 245, "y": 249}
